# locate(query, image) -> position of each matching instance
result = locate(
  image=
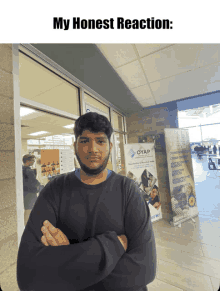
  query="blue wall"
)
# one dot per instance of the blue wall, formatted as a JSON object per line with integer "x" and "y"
{"x": 188, "y": 103}
{"x": 199, "y": 101}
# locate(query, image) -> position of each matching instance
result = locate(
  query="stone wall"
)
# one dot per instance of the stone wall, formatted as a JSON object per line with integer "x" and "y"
{"x": 8, "y": 211}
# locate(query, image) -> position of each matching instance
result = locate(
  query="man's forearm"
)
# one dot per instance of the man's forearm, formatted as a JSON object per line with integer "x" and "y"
{"x": 40, "y": 266}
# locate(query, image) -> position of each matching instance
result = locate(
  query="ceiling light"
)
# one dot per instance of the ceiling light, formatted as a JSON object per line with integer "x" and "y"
{"x": 70, "y": 125}
{"x": 25, "y": 111}
{"x": 38, "y": 133}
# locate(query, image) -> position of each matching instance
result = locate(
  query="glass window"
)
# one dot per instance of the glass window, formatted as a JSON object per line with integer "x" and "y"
{"x": 211, "y": 132}
{"x": 120, "y": 157}
{"x": 195, "y": 134}
{"x": 96, "y": 104}
{"x": 41, "y": 85}
{"x": 50, "y": 139}
{"x": 118, "y": 121}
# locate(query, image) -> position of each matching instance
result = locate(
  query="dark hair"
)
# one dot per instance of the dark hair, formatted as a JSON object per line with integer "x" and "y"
{"x": 155, "y": 187}
{"x": 93, "y": 122}
{"x": 28, "y": 158}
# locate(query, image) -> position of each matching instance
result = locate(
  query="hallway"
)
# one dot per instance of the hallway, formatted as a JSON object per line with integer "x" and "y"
{"x": 189, "y": 257}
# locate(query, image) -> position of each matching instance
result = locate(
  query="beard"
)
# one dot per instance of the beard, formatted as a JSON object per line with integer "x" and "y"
{"x": 93, "y": 172}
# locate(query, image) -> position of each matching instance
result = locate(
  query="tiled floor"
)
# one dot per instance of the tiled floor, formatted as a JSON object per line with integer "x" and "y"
{"x": 189, "y": 256}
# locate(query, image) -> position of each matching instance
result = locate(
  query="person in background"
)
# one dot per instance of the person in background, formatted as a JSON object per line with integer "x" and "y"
{"x": 31, "y": 185}
{"x": 214, "y": 150}
{"x": 154, "y": 200}
{"x": 90, "y": 229}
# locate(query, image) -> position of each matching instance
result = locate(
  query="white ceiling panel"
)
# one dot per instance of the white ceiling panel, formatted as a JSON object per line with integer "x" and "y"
{"x": 170, "y": 61}
{"x": 132, "y": 74}
{"x": 199, "y": 81}
{"x": 118, "y": 54}
{"x": 142, "y": 93}
{"x": 147, "y": 102}
{"x": 208, "y": 54}
{"x": 146, "y": 49}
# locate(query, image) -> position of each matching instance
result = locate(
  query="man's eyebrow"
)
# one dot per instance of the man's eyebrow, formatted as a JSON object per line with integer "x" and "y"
{"x": 83, "y": 137}
{"x": 103, "y": 137}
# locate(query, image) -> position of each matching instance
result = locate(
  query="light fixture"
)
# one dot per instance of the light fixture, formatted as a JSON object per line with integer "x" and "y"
{"x": 26, "y": 111}
{"x": 38, "y": 133}
{"x": 70, "y": 125}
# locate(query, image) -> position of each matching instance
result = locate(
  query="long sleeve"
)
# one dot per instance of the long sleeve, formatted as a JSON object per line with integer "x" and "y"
{"x": 67, "y": 268}
{"x": 31, "y": 184}
{"x": 137, "y": 267}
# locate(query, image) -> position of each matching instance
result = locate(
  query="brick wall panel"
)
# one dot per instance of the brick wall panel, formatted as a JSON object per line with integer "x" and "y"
{"x": 7, "y": 139}
{"x": 8, "y": 218}
{"x": 5, "y": 58}
{"x": 7, "y": 193}
{"x": 9, "y": 250}
{"x": 7, "y": 162}
{"x": 6, "y": 110}
{"x": 6, "y": 84}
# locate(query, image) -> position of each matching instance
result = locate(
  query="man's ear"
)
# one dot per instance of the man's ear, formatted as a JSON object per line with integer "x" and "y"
{"x": 111, "y": 145}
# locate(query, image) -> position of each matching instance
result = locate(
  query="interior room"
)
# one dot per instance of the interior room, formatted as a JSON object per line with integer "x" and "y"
{"x": 143, "y": 90}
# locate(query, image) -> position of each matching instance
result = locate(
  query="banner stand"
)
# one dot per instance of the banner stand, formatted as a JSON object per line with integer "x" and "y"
{"x": 141, "y": 168}
{"x": 181, "y": 179}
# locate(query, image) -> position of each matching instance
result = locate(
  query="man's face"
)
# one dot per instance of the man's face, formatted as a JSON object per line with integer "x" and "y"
{"x": 153, "y": 193}
{"x": 92, "y": 151}
{"x": 30, "y": 162}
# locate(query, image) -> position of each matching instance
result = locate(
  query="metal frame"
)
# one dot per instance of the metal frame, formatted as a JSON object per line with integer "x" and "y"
{"x": 18, "y": 156}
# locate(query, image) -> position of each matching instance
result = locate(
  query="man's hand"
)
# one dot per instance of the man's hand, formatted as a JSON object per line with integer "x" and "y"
{"x": 124, "y": 241}
{"x": 53, "y": 236}
{"x": 157, "y": 205}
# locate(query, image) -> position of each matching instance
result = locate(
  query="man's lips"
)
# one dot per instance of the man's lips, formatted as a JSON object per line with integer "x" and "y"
{"x": 93, "y": 158}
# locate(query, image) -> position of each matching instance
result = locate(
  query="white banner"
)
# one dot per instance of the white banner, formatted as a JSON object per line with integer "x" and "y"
{"x": 182, "y": 187}
{"x": 141, "y": 167}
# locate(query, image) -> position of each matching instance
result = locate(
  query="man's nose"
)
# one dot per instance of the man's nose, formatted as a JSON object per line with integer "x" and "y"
{"x": 93, "y": 146}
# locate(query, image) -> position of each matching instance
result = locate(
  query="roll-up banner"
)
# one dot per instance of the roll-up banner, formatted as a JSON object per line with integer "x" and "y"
{"x": 141, "y": 168}
{"x": 181, "y": 179}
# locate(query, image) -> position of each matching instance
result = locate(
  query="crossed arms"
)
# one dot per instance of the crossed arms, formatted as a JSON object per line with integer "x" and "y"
{"x": 100, "y": 263}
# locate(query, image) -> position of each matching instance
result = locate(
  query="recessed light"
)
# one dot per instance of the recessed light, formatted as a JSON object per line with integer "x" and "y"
{"x": 26, "y": 111}
{"x": 69, "y": 126}
{"x": 38, "y": 133}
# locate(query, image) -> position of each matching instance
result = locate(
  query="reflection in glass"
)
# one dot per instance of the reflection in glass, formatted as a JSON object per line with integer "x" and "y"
{"x": 120, "y": 158}
{"x": 53, "y": 150}
{"x": 117, "y": 121}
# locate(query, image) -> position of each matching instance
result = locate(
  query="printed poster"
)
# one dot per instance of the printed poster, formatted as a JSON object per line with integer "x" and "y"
{"x": 50, "y": 165}
{"x": 182, "y": 186}
{"x": 67, "y": 163}
{"x": 56, "y": 162}
{"x": 141, "y": 167}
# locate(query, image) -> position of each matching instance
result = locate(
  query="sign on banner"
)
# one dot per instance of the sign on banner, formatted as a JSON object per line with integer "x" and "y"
{"x": 141, "y": 168}
{"x": 182, "y": 186}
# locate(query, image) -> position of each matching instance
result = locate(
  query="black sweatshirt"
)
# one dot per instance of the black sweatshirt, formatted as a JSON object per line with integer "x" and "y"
{"x": 91, "y": 216}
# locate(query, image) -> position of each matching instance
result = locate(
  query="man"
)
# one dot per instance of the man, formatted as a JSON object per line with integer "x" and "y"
{"x": 99, "y": 234}
{"x": 154, "y": 200}
{"x": 30, "y": 185}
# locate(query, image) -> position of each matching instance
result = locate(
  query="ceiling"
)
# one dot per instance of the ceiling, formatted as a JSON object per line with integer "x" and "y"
{"x": 130, "y": 76}
{"x": 159, "y": 73}
{"x": 135, "y": 76}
